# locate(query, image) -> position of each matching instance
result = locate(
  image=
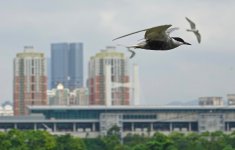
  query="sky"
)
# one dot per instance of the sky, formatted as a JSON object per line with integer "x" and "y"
{"x": 182, "y": 74}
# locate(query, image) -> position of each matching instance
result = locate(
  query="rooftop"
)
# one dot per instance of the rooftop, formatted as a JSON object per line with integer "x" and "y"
{"x": 101, "y": 107}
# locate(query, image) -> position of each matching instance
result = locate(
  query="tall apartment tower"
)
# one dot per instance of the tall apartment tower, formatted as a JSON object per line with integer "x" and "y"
{"x": 108, "y": 75}
{"x": 67, "y": 65}
{"x": 30, "y": 80}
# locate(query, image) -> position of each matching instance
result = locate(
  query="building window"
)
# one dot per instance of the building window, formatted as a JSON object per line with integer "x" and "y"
{"x": 32, "y": 79}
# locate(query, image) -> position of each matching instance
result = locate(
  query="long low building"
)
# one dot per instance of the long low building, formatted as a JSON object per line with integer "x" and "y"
{"x": 92, "y": 121}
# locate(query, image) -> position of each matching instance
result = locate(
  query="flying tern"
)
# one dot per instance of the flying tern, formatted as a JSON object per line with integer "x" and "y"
{"x": 157, "y": 38}
{"x": 194, "y": 30}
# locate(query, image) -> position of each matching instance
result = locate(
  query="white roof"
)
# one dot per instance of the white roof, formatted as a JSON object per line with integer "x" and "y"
{"x": 8, "y": 107}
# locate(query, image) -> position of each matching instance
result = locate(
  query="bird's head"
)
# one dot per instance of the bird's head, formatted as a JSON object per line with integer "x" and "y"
{"x": 179, "y": 41}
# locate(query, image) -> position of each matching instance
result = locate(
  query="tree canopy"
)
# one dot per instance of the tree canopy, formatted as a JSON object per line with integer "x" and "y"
{"x": 42, "y": 140}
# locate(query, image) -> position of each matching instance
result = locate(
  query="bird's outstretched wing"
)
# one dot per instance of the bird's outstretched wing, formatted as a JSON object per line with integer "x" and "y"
{"x": 129, "y": 34}
{"x": 157, "y": 33}
{"x": 170, "y": 30}
{"x": 192, "y": 24}
{"x": 198, "y": 35}
{"x": 150, "y": 32}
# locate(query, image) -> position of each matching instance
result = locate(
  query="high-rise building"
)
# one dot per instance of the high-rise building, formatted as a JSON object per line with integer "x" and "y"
{"x": 30, "y": 80}
{"x": 108, "y": 77}
{"x": 67, "y": 65}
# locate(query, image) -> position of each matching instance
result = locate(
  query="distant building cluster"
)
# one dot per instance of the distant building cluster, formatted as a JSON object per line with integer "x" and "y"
{"x": 216, "y": 100}
{"x": 58, "y": 80}
{"x": 211, "y": 101}
{"x": 61, "y": 82}
{"x": 64, "y": 96}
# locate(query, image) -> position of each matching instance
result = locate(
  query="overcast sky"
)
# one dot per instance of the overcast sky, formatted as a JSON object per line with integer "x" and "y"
{"x": 182, "y": 74}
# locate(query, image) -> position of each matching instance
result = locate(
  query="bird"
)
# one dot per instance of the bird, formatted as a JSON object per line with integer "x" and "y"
{"x": 194, "y": 30}
{"x": 157, "y": 38}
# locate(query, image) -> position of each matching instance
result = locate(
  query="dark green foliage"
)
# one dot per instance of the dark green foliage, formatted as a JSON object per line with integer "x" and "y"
{"x": 111, "y": 141}
{"x": 27, "y": 140}
{"x": 159, "y": 142}
{"x": 39, "y": 140}
{"x": 42, "y": 140}
{"x": 68, "y": 142}
{"x": 115, "y": 130}
{"x": 133, "y": 140}
{"x": 95, "y": 144}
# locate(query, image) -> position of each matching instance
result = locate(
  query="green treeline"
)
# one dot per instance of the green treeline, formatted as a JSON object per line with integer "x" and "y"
{"x": 42, "y": 140}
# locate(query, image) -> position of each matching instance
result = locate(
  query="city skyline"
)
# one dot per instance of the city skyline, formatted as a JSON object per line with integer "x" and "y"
{"x": 186, "y": 73}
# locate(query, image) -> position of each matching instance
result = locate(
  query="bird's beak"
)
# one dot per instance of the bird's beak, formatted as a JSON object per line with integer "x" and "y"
{"x": 187, "y": 43}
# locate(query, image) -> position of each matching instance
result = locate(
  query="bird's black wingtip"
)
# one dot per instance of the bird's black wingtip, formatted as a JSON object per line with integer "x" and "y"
{"x": 116, "y": 39}
{"x": 187, "y": 18}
